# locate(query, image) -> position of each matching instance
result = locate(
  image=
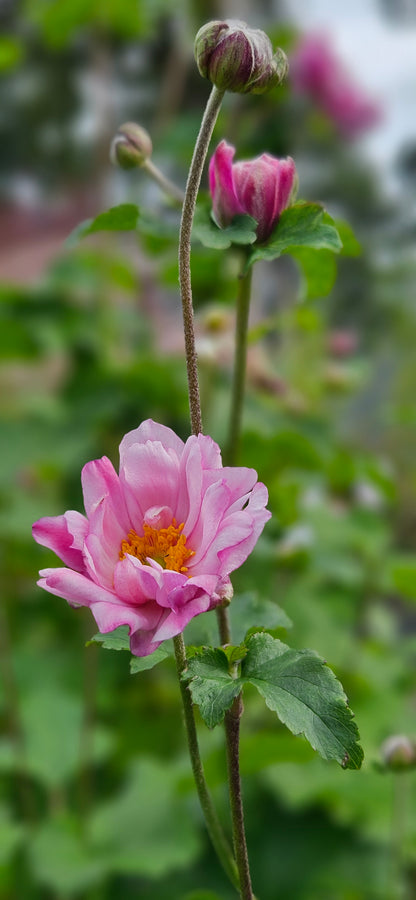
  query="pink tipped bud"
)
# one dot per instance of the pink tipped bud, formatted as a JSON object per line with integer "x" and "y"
{"x": 261, "y": 187}
{"x": 131, "y": 146}
{"x": 237, "y": 58}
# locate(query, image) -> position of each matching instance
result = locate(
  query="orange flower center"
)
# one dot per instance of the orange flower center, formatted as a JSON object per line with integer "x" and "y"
{"x": 165, "y": 545}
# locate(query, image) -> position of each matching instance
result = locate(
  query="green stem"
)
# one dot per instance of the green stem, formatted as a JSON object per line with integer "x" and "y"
{"x": 165, "y": 184}
{"x": 188, "y": 209}
{"x": 239, "y": 375}
{"x": 215, "y": 831}
{"x": 233, "y": 715}
{"x": 232, "y": 731}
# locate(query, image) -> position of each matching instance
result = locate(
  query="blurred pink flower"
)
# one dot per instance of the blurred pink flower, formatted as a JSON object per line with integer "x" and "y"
{"x": 317, "y": 71}
{"x": 160, "y": 540}
{"x": 261, "y": 187}
{"x": 342, "y": 342}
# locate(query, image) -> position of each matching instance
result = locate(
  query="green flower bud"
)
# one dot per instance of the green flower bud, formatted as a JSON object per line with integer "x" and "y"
{"x": 131, "y": 147}
{"x": 398, "y": 752}
{"x": 237, "y": 58}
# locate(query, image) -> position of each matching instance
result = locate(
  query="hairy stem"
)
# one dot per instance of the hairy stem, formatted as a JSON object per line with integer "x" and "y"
{"x": 215, "y": 831}
{"x": 233, "y": 715}
{"x": 232, "y": 731}
{"x": 239, "y": 375}
{"x": 188, "y": 209}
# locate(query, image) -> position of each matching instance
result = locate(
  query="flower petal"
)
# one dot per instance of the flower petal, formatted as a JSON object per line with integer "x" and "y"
{"x": 225, "y": 202}
{"x": 151, "y": 431}
{"x": 135, "y": 583}
{"x": 74, "y": 587}
{"x": 64, "y": 535}
{"x": 149, "y": 474}
{"x": 99, "y": 482}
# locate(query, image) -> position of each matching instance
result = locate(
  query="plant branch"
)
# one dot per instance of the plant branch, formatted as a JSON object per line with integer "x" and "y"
{"x": 240, "y": 363}
{"x": 164, "y": 183}
{"x": 215, "y": 831}
{"x": 188, "y": 209}
{"x": 232, "y": 731}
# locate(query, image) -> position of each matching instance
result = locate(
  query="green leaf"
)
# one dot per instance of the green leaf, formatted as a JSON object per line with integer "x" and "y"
{"x": 119, "y": 218}
{"x": 250, "y": 611}
{"x": 296, "y": 684}
{"x": 241, "y": 231}
{"x": 140, "y": 663}
{"x": 114, "y": 640}
{"x": 211, "y": 685}
{"x": 350, "y": 245}
{"x": 302, "y": 225}
{"x": 305, "y": 694}
{"x": 319, "y": 271}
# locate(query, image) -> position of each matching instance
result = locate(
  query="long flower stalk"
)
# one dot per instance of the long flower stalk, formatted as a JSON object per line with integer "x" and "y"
{"x": 233, "y": 715}
{"x": 240, "y": 363}
{"x": 188, "y": 210}
{"x": 240, "y": 873}
{"x": 215, "y": 831}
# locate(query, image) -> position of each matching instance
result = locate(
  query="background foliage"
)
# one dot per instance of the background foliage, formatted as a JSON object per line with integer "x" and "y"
{"x": 96, "y": 800}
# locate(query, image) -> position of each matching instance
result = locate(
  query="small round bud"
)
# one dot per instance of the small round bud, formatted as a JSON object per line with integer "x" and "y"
{"x": 237, "y": 58}
{"x": 131, "y": 146}
{"x": 398, "y": 752}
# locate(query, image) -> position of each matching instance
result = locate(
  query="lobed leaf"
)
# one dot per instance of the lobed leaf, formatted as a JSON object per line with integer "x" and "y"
{"x": 296, "y": 684}
{"x": 212, "y": 687}
{"x": 306, "y": 695}
{"x": 301, "y": 225}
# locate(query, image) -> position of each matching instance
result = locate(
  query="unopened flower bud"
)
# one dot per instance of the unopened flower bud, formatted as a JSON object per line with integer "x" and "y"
{"x": 398, "y": 752}
{"x": 261, "y": 188}
{"x": 237, "y": 58}
{"x": 131, "y": 147}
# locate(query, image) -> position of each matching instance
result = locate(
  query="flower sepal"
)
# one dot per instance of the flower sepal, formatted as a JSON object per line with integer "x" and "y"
{"x": 241, "y": 230}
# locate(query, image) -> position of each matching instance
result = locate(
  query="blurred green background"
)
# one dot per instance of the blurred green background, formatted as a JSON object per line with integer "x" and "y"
{"x": 96, "y": 799}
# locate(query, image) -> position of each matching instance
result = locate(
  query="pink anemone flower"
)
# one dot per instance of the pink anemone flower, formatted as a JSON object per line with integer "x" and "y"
{"x": 159, "y": 540}
{"x": 261, "y": 188}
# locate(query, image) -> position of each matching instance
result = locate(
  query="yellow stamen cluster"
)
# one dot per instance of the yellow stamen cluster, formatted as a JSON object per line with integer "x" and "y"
{"x": 165, "y": 545}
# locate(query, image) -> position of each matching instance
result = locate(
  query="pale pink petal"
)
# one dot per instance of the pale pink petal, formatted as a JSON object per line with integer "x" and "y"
{"x": 213, "y": 508}
{"x": 142, "y": 643}
{"x": 109, "y": 616}
{"x": 100, "y": 482}
{"x": 64, "y": 535}
{"x": 150, "y": 477}
{"x": 151, "y": 431}
{"x": 231, "y": 534}
{"x": 99, "y": 565}
{"x": 134, "y": 582}
{"x": 181, "y": 593}
{"x": 74, "y": 587}
{"x": 175, "y": 622}
{"x": 236, "y": 536}
{"x": 240, "y": 481}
